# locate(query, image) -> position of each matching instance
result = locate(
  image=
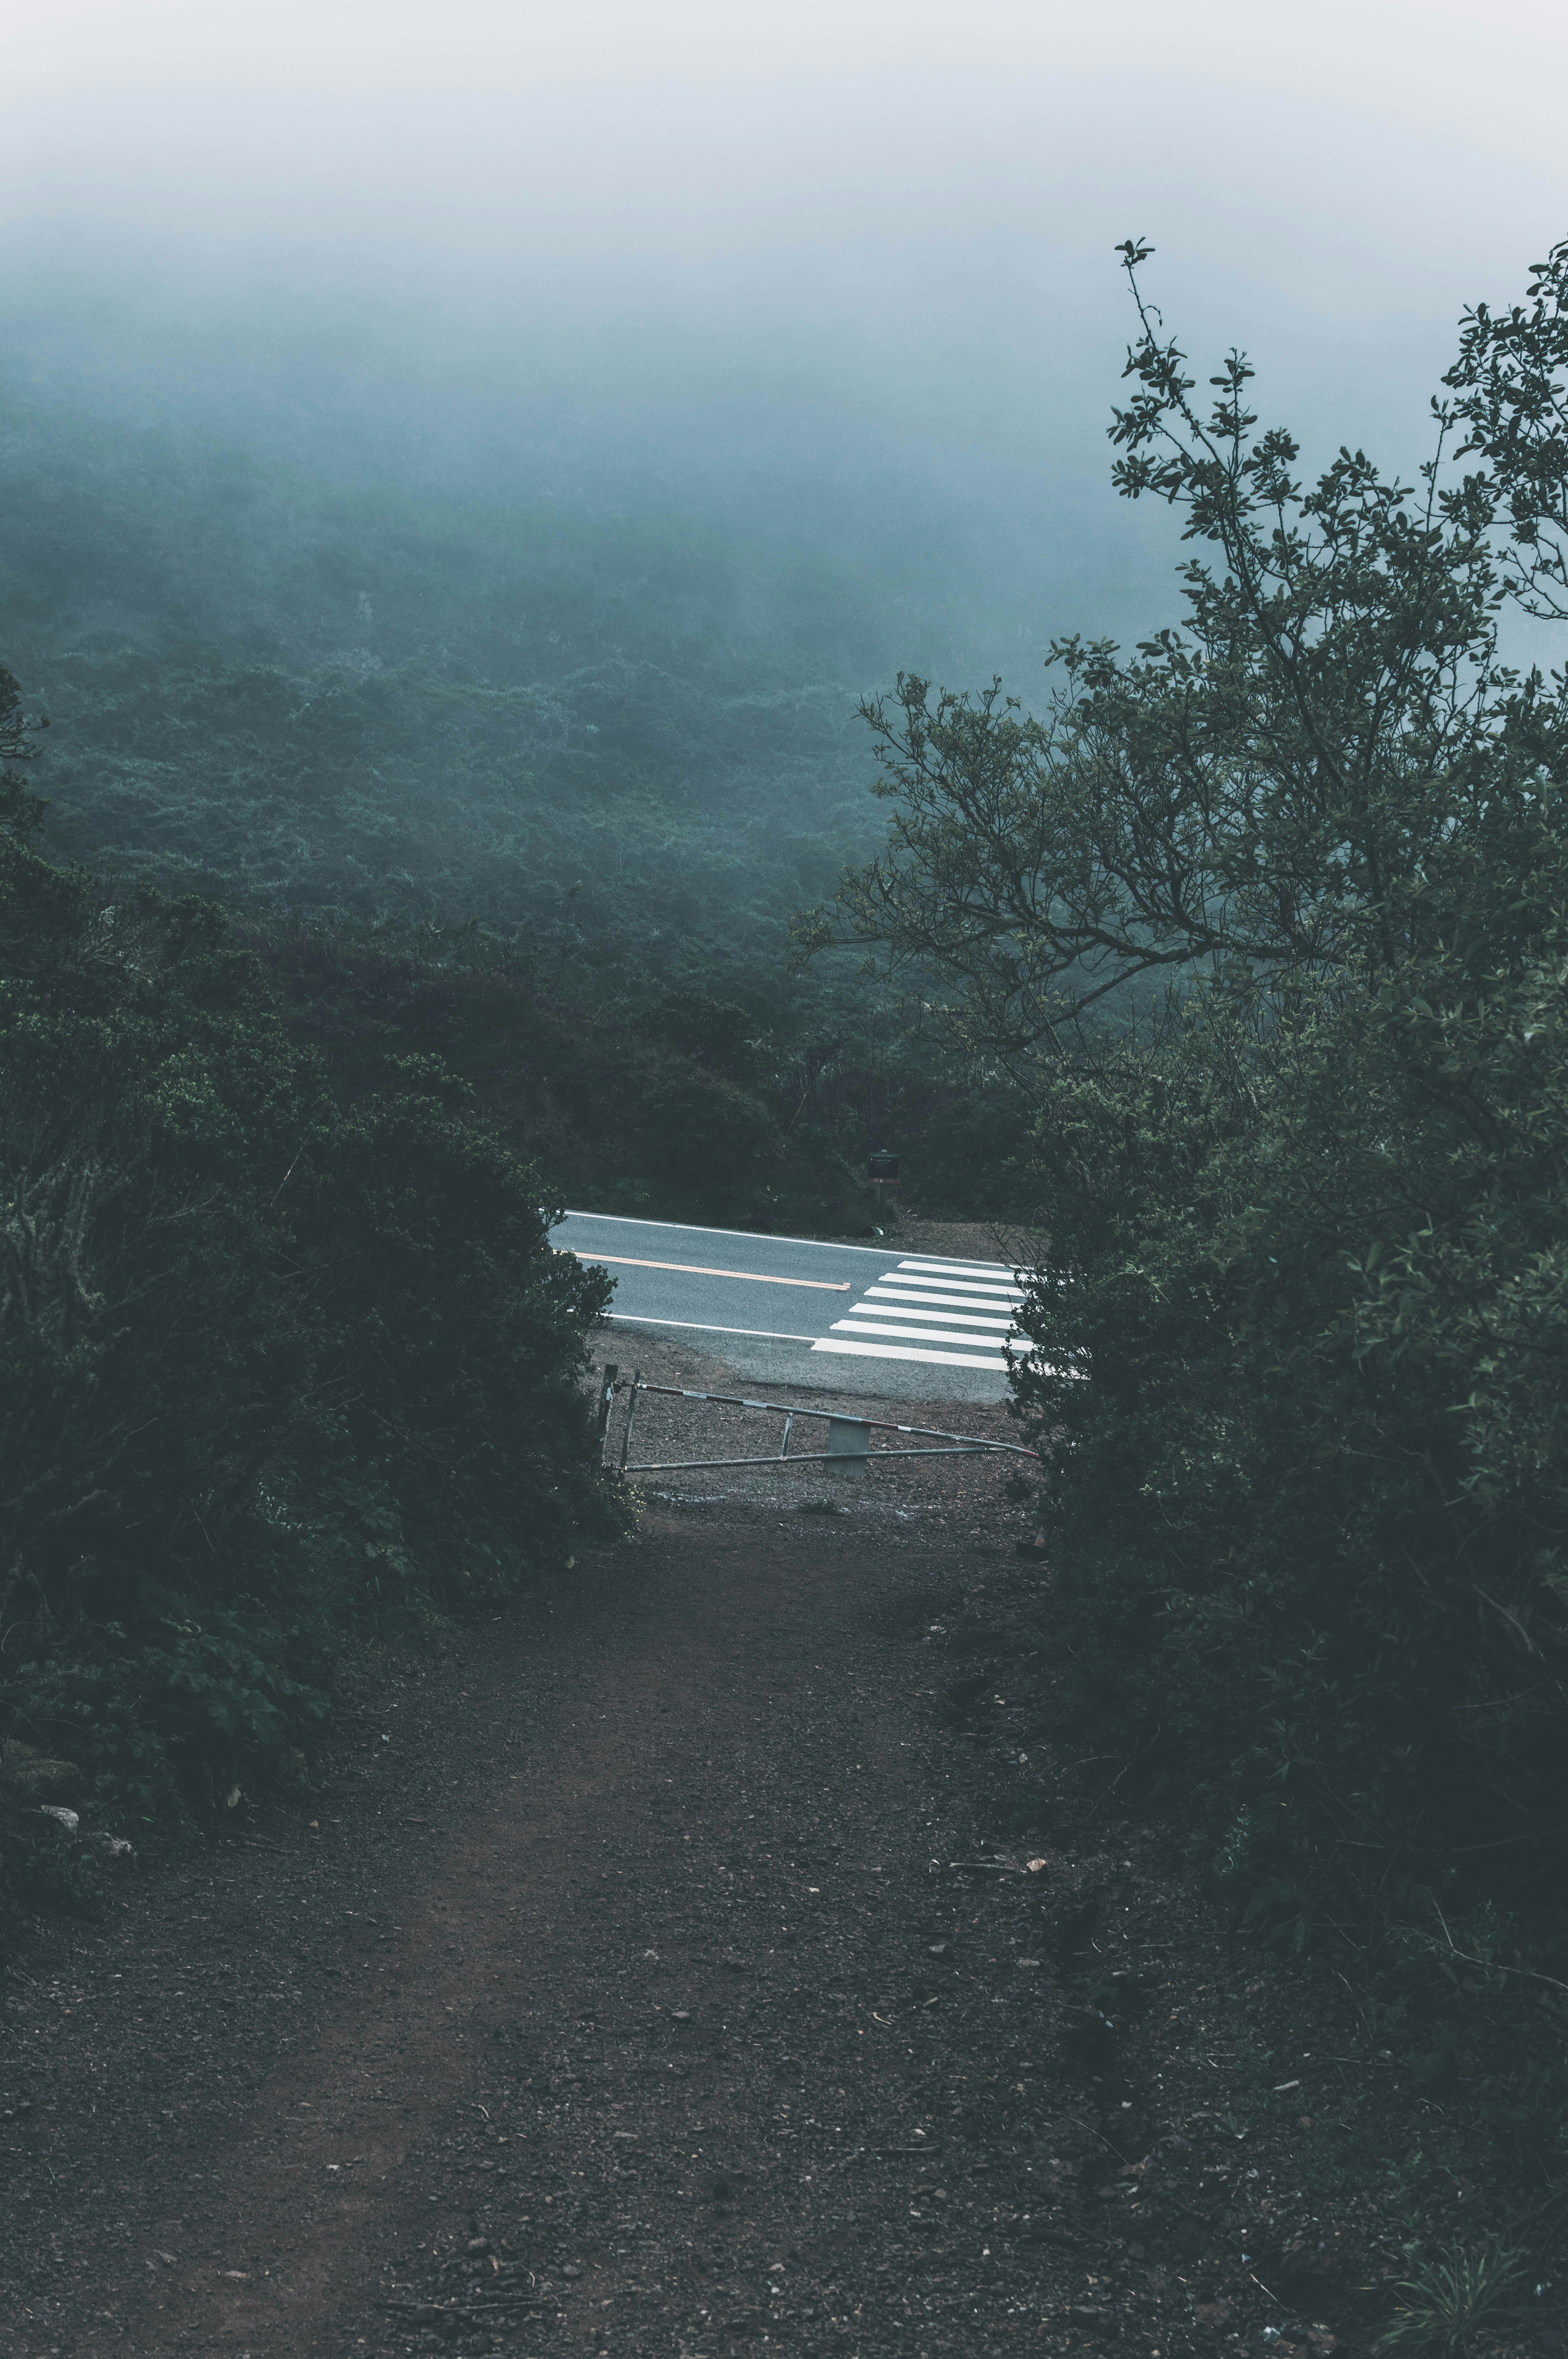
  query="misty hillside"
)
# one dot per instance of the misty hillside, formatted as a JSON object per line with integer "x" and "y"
{"x": 395, "y": 702}
{"x": 593, "y": 676}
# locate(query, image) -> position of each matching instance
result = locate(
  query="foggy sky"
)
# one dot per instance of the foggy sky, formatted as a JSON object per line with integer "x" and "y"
{"x": 1347, "y": 158}
{"x": 901, "y": 217}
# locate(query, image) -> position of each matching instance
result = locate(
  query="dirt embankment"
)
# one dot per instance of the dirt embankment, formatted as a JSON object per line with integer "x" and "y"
{"x": 719, "y": 1957}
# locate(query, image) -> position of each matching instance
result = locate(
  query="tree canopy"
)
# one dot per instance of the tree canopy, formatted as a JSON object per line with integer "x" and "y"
{"x": 1327, "y": 762}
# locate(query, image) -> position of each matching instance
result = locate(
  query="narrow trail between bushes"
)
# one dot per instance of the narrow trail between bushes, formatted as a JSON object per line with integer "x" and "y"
{"x": 665, "y": 1973}
{"x": 617, "y": 1954}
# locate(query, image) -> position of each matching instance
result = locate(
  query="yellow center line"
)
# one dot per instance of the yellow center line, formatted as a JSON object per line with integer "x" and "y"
{"x": 695, "y": 1270}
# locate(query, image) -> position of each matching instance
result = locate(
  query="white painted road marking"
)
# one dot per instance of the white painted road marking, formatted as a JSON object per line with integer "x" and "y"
{"x": 965, "y": 1306}
{"x": 908, "y": 1335}
{"x": 950, "y": 1281}
{"x": 875, "y": 1309}
{"x": 969, "y": 1287}
{"x": 949, "y": 1305}
{"x": 907, "y": 1352}
{"x": 943, "y": 1313}
{"x": 953, "y": 1304}
{"x": 982, "y": 1273}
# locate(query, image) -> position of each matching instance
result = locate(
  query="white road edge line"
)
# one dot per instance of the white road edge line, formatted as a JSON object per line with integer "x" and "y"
{"x": 764, "y": 1236}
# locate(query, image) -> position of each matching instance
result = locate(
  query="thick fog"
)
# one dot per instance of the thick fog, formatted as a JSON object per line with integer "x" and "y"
{"x": 809, "y": 319}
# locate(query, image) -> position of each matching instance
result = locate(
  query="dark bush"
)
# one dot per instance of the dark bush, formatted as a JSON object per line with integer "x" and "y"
{"x": 630, "y": 1097}
{"x": 1308, "y": 1470}
{"x": 276, "y": 1360}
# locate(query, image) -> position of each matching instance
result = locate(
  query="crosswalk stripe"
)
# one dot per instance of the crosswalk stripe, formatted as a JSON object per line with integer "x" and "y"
{"x": 894, "y": 1290}
{"x": 938, "y": 1284}
{"x": 910, "y": 1334}
{"x": 897, "y": 1291}
{"x": 945, "y": 1301}
{"x": 970, "y": 1272}
{"x": 995, "y": 1272}
{"x": 872, "y": 1308}
{"x": 908, "y": 1352}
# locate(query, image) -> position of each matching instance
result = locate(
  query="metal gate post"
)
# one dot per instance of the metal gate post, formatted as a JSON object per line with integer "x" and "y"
{"x": 849, "y": 1445}
{"x": 606, "y": 1396}
{"x": 631, "y": 1413}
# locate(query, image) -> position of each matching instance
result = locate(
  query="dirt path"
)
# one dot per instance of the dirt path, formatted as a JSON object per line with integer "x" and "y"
{"x": 626, "y": 1998}
{"x": 641, "y": 2003}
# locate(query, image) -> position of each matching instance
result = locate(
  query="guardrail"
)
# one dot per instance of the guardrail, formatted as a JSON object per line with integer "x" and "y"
{"x": 848, "y": 1450}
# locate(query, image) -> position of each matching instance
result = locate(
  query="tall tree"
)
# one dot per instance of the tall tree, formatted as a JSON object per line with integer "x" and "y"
{"x": 1327, "y": 759}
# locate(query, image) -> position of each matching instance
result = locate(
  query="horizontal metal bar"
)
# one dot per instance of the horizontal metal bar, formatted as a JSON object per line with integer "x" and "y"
{"x": 878, "y": 1424}
{"x": 805, "y": 1458}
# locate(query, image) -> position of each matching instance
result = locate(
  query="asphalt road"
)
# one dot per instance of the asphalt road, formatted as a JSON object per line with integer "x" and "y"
{"x": 787, "y": 1311}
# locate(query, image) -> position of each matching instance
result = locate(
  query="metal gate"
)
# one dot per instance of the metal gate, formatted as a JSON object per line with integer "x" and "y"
{"x": 848, "y": 1450}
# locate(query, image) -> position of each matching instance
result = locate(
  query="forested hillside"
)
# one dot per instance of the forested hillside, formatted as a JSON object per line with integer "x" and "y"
{"x": 400, "y": 703}
{"x": 415, "y": 661}
{"x": 602, "y": 708}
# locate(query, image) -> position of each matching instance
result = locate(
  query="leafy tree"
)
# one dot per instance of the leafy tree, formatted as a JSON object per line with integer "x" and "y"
{"x": 1512, "y": 377}
{"x": 1327, "y": 751}
{"x": 1306, "y": 1198}
{"x": 16, "y": 738}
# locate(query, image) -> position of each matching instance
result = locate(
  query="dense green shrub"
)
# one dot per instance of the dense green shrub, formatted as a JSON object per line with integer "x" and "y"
{"x": 273, "y": 1360}
{"x": 1310, "y": 1503}
{"x": 630, "y": 1094}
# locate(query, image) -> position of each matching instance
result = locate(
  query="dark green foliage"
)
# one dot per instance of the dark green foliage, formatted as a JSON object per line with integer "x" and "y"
{"x": 1300, "y": 1353}
{"x": 1512, "y": 383}
{"x": 1311, "y": 1514}
{"x": 629, "y": 1096}
{"x": 274, "y": 1359}
{"x": 1313, "y": 1245}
